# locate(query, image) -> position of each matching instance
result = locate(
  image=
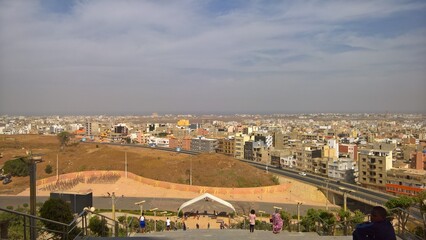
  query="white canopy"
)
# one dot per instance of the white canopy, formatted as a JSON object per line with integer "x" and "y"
{"x": 203, "y": 197}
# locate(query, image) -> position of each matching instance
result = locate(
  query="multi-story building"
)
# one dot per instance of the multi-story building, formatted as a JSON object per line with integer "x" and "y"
{"x": 304, "y": 155}
{"x": 226, "y": 146}
{"x": 280, "y": 140}
{"x": 266, "y": 139}
{"x": 180, "y": 142}
{"x": 261, "y": 153}
{"x": 342, "y": 169}
{"x": 202, "y": 144}
{"x": 405, "y": 181}
{"x": 278, "y": 156}
{"x": 121, "y": 129}
{"x": 373, "y": 165}
{"x": 240, "y": 140}
{"x": 348, "y": 151}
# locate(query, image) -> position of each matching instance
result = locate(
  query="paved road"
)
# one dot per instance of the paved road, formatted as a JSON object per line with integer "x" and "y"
{"x": 171, "y": 204}
{"x": 356, "y": 193}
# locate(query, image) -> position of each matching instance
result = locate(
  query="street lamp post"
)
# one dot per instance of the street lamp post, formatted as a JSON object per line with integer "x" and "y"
{"x": 140, "y": 204}
{"x": 155, "y": 220}
{"x": 261, "y": 215}
{"x": 326, "y": 200}
{"x": 298, "y": 216}
{"x": 33, "y": 194}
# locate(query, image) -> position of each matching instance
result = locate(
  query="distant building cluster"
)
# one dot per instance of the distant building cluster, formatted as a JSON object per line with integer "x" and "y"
{"x": 379, "y": 151}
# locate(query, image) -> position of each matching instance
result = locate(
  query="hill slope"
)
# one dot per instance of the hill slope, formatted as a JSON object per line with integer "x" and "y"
{"x": 207, "y": 169}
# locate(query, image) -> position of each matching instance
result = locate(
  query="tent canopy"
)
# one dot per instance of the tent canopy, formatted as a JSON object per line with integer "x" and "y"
{"x": 204, "y": 197}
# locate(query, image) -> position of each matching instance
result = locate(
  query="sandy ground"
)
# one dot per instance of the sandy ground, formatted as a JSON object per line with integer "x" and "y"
{"x": 298, "y": 192}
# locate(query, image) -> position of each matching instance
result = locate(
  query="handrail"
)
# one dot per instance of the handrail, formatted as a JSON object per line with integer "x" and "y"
{"x": 65, "y": 233}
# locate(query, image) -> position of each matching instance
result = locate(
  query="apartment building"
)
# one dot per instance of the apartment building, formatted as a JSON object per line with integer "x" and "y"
{"x": 304, "y": 155}
{"x": 180, "y": 142}
{"x": 240, "y": 140}
{"x": 373, "y": 165}
{"x": 343, "y": 169}
{"x": 226, "y": 146}
{"x": 265, "y": 138}
{"x": 261, "y": 153}
{"x": 348, "y": 151}
{"x": 405, "y": 181}
{"x": 278, "y": 156}
{"x": 280, "y": 140}
{"x": 202, "y": 144}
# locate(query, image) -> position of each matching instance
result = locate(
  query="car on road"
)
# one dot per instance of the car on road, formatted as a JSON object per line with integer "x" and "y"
{"x": 302, "y": 173}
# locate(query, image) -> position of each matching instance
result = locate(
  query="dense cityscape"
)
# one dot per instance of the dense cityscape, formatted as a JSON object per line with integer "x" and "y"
{"x": 386, "y": 152}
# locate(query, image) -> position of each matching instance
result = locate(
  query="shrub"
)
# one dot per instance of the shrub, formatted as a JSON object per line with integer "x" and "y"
{"x": 17, "y": 167}
{"x": 48, "y": 169}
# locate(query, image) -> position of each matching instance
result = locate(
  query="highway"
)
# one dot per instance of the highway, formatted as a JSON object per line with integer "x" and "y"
{"x": 355, "y": 192}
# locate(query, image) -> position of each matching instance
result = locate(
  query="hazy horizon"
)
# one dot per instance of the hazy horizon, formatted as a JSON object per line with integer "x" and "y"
{"x": 78, "y": 57}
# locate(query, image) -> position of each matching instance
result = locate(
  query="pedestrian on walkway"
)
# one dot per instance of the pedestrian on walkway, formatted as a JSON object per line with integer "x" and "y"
{"x": 277, "y": 222}
{"x": 168, "y": 224}
{"x": 142, "y": 223}
{"x": 252, "y": 220}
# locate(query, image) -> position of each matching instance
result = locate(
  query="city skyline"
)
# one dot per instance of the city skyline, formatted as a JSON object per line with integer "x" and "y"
{"x": 139, "y": 57}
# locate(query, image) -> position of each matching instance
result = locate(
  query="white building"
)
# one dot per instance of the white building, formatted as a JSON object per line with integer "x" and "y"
{"x": 338, "y": 169}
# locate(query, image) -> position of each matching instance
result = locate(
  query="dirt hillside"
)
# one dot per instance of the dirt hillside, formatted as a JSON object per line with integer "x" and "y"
{"x": 207, "y": 169}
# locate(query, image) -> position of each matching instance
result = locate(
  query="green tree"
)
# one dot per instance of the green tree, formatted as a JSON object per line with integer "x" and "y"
{"x": 57, "y": 210}
{"x": 286, "y": 216}
{"x": 421, "y": 200}
{"x": 399, "y": 207}
{"x": 17, "y": 167}
{"x": 309, "y": 220}
{"x": 98, "y": 226}
{"x": 357, "y": 218}
{"x": 64, "y": 138}
{"x": 328, "y": 221}
{"x": 48, "y": 169}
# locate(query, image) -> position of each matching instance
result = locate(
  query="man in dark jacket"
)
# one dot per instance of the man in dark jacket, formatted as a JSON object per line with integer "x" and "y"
{"x": 379, "y": 228}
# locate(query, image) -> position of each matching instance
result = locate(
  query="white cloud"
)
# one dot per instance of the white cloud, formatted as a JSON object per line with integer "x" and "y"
{"x": 162, "y": 46}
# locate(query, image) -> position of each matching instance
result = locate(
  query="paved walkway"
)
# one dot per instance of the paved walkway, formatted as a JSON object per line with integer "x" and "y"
{"x": 235, "y": 234}
{"x": 229, "y": 235}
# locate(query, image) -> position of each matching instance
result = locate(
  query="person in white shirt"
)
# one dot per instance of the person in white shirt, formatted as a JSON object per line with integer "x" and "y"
{"x": 168, "y": 224}
{"x": 142, "y": 223}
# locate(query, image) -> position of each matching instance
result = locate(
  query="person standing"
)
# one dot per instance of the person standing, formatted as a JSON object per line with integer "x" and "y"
{"x": 168, "y": 224}
{"x": 379, "y": 228}
{"x": 277, "y": 222}
{"x": 252, "y": 220}
{"x": 142, "y": 223}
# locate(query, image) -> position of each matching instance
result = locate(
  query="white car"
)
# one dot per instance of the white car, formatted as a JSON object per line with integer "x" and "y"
{"x": 302, "y": 173}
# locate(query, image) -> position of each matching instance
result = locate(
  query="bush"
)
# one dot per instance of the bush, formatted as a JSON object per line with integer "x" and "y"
{"x": 57, "y": 210}
{"x": 98, "y": 226}
{"x": 17, "y": 167}
{"x": 48, "y": 169}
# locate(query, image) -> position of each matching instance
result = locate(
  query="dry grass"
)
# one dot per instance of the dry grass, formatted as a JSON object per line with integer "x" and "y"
{"x": 208, "y": 169}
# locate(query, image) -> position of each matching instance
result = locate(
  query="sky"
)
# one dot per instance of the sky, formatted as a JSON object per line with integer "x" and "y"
{"x": 199, "y": 56}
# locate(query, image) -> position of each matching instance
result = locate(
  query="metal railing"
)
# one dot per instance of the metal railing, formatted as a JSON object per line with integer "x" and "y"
{"x": 76, "y": 229}
{"x": 68, "y": 229}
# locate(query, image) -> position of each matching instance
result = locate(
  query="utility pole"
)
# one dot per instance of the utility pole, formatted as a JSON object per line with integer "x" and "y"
{"x": 326, "y": 198}
{"x": 125, "y": 163}
{"x": 190, "y": 171}
{"x": 33, "y": 194}
{"x": 113, "y": 205}
{"x": 57, "y": 167}
{"x": 298, "y": 216}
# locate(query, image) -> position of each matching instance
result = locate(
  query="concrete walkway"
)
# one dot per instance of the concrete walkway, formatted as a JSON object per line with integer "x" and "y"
{"x": 235, "y": 234}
